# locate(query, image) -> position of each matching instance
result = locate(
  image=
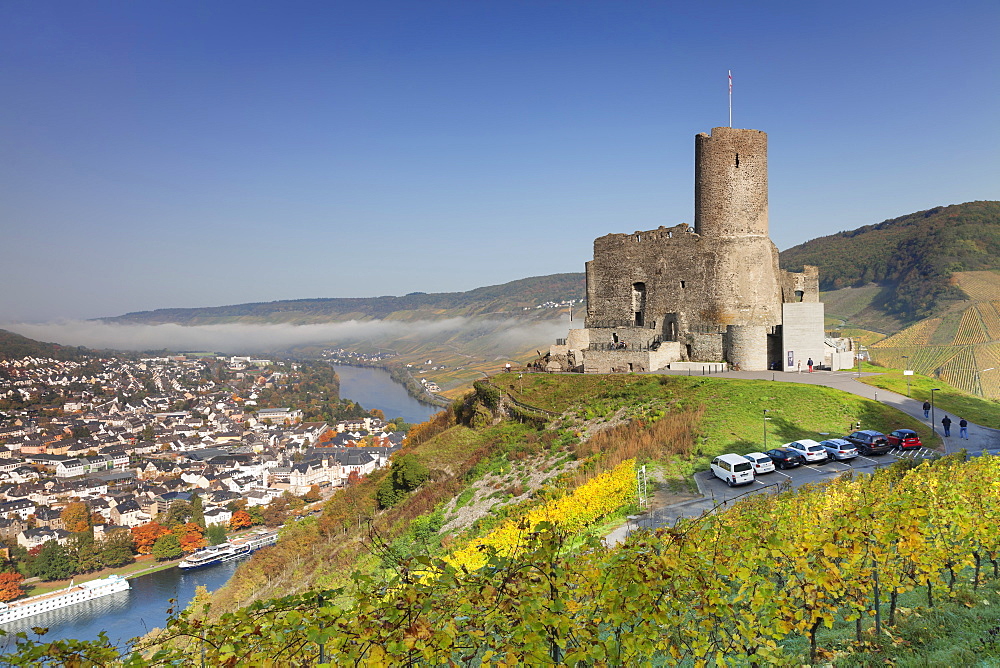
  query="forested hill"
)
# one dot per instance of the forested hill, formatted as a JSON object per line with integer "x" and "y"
{"x": 508, "y": 299}
{"x": 912, "y": 257}
{"x": 15, "y": 346}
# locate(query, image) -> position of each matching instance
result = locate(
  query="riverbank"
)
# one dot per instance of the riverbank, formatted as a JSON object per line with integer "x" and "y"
{"x": 144, "y": 564}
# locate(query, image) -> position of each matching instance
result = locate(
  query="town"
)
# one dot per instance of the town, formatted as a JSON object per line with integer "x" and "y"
{"x": 181, "y": 439}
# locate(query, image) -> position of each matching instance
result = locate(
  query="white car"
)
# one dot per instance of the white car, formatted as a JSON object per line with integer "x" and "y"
{"x": 810, "y": 450}
{"x": 761, "y": 462}
{"x": 733, "y": 469}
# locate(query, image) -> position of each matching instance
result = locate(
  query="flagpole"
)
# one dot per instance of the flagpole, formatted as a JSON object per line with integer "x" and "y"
{"x": 730, "y": 98}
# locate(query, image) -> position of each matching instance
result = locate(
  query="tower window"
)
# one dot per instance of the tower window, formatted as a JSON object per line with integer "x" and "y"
{"x": 799, "y": 295}
{"x": 683, "y": 284}
{"x": 737, "y": 159}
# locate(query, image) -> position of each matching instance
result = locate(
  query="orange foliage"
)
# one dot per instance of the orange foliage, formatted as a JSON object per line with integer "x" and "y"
{"x": 191, "y": 536}
{"x": 146, "y": 534}
{"x": 10, "y": 586}
{"x": 240, "y": 520}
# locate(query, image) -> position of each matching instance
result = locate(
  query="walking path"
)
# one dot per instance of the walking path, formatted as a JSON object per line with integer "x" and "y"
{"x": 982, "y": 440}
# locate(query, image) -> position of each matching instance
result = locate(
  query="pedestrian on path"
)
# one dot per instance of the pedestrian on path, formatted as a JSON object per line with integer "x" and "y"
{"x": 963, "y": 429}
{"x": 946, "y": 423}
{"x": 810, "y": 363}
{"x": 927, "y": 409}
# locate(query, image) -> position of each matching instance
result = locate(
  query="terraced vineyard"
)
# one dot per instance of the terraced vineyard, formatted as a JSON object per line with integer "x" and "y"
{"x": 967, "y": 357}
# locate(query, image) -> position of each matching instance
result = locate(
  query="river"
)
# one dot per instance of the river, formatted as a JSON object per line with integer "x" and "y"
{"x": 144, "y": 607}
{"x": 375, "y": 388}
{"x": 129, "y": 613}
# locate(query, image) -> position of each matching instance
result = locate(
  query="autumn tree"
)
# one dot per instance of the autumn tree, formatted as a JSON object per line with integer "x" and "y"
{"x": 145, "y": 535}
{"x": 312, "y": 495}
{"x": 10, "y": 586}
{"x": 76, "y": 516}
{"x": 190, "y": 536}
{"x": 240, "y": 520}
{"x": 197, "y": 511}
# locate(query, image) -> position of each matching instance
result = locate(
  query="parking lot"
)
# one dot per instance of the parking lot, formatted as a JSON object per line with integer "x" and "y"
{"x": 716, "y": 494}
{"x": 719, "y": 492}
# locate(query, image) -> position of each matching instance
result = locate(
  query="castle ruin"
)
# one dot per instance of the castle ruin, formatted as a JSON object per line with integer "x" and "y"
{"x": 676, "y": 296}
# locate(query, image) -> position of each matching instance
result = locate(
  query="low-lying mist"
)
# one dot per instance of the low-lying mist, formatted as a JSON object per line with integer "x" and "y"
{"x": 512, "y": 334}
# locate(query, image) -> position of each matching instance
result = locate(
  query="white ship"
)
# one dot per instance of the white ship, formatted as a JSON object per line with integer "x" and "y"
{"x": 234, "y": 549}
{"x": 61, "y": 598}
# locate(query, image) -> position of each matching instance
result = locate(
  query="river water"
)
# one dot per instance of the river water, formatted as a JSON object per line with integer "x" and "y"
{"x": 133, "y": 613}
{"x": 375, "y": 388}
{"x": 126, "y": 614}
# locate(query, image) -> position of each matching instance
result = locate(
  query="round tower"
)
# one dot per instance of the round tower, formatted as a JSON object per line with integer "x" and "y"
{"x": 730, "y": 183}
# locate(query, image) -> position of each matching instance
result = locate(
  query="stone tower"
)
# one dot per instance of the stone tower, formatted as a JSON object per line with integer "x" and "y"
{"x": 709, "y": 293}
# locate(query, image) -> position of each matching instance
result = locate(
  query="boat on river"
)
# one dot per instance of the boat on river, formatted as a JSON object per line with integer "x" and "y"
{"x": 61, "y": 598}
{"x": 234, "y": 549}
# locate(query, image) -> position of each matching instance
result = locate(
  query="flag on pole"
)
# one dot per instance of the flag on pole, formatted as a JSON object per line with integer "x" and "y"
{"x": 730, "y": 98}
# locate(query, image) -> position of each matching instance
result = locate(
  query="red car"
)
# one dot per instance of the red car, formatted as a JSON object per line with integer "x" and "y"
{"x": 904, "y": 438}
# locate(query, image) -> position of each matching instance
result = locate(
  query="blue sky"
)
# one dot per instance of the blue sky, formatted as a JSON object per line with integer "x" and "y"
{"x": 176, "y": 154}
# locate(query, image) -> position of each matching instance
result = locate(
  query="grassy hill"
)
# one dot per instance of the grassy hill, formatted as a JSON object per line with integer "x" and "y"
{"x": 911, "y": 259}
{"x": 508, "y": 299}
{"x": 481, "y": 543}
{"x": 15, "y": 346}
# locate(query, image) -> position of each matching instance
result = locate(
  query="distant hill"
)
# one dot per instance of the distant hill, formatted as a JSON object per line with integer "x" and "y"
{"x": 508, "y": 299}
{"x": 911, "y": 259}
{"x": 961, "y": 346}
{"x": 15, "y": 346}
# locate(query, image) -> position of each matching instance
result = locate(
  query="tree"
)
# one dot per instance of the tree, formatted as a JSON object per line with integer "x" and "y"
{"x": 190, "y": 536}
{"x": 407, "y": 473}
{"x": 76, "y": 516}
{"x": 240, "y": 520}
{"x": 10, "y": 586}
{"x": 116, "y": 549}
{"x": 178, "y": 513}
{"x": 197, "y": 511}
{"x": 312, "y": 495}
{"x": 53, "y": 562}
{"x": 215, "y": 534}
{"x": 166, "y": 547}
{"x": 256, "y": 514}
{"x": 145, "y": 535}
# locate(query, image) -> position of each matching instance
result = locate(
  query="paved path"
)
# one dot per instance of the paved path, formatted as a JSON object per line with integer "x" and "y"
{"x": 982, "y": 440}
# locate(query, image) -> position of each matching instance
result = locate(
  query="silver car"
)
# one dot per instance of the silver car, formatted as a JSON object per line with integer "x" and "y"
{"x": 839, "y": 448}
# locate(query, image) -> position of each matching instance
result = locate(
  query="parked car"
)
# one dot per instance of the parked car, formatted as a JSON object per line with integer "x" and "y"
{"x": 839, "y": 448}
{"x": 761, "y": 462}
{"x": 870, "y": 442}
{"x": 904, "y": 438}
{"x": 810, "y": 450}
{"x": 734, "y": 469}
{"x": 785, "y": 458}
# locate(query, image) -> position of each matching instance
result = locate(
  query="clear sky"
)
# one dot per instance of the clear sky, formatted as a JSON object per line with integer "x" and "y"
{"x": 162, "y": 154}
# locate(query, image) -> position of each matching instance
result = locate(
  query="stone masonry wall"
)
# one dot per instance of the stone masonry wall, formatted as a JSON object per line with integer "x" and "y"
{"x": 730, "y": 194}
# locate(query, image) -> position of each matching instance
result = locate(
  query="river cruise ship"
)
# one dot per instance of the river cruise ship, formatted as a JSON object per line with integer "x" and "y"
{"x": 234, "y": 549}
{"x": 61, "y": 598}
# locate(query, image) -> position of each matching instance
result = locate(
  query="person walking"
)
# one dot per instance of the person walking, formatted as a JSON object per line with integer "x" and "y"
{"x": 927, "y": 409}
{"x": 963, "y": 429}
{"x": 946, "y": 423}
{"x": 810, "y": 363}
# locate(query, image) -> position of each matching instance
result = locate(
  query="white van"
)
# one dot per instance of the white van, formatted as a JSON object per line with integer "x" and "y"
{"x": 734, "y": 469}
